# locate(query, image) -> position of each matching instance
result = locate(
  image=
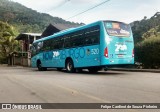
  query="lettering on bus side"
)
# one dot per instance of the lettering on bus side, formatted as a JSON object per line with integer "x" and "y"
{"x": 63, "y": 54}
{"x": 47, "y": 55}
{"x": 75, "y": 53}
{"x": 51, "y": 55}
{"x": 82, "y": 52}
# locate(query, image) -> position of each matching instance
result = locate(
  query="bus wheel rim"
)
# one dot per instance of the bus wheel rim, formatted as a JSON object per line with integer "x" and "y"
{"x": 69, "y": 66}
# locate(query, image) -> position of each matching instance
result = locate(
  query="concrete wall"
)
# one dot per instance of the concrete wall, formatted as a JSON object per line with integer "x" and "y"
{"x": 24, "y": 61}
{"x": 17, "y": 61}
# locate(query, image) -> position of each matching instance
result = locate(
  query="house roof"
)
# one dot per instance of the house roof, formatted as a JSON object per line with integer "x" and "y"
{"x": 25, "y": 36}
{"x": 54, "y": 28}
{"x": 50, "y": 30}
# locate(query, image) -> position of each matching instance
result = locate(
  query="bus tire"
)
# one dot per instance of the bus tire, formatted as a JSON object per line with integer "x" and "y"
{"x": 39, "y": 66}
{"x": 70, "y": 66}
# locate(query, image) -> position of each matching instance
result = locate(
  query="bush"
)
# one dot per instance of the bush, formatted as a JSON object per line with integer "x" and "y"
{"x": 147, "y": 52}
{"x": 3, "y": 60}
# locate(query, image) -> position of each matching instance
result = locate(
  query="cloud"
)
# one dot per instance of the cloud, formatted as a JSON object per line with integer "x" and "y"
{"x": 122, "y": 10}
{"x": 85, "y": 1}
{"x": 127, "y": 11}
{"x": 42, "y": 5}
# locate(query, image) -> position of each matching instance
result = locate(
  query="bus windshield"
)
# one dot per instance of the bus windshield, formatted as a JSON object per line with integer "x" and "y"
{"x": 117, "y": 29}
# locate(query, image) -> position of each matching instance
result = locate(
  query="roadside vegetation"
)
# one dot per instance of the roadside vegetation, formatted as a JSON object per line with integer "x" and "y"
{"x": 147, "y": 42}
{"x": 8, "y": 44}
{"x": 148, "y": 51}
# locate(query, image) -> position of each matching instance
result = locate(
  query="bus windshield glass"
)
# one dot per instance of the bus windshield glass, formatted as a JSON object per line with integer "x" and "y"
{"x": 117, "y": 29}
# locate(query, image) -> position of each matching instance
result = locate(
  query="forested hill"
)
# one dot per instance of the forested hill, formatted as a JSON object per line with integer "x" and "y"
{"x": 145, "y": 25}
{"x": 147, "y": 41}
{"x": 26, "y": 19}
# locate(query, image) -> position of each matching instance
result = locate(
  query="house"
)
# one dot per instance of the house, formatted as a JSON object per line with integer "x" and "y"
{"x": 26, "y": 39}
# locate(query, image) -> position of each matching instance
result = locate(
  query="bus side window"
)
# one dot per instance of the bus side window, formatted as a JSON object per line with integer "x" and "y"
{"x": 39, "y": 46}
{"x": 67, "y": 42}
{"x": 73, "y": 39}
{"x": 47, "y": 45}
{"x": 77, "y": 39}
{"x": 61, "y": 42}
{"x": 44, "y": 46}
{"x": 92, "y": 36}
{"x": 53, "y": 44}
{"x": 58, "y": 43}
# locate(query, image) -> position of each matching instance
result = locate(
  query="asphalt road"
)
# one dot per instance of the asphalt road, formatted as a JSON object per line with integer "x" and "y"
{"x": 27, "y": 85}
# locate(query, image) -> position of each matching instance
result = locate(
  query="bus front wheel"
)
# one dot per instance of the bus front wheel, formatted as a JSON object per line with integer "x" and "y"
{"x": 70, "y": 66}
{"x": 39, "y": 66}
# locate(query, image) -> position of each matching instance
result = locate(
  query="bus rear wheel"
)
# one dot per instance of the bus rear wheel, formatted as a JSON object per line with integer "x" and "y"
{"x": 70, "y": 66}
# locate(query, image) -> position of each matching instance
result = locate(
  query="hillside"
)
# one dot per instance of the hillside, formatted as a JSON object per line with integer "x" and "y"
{"x": 141, "y": 27}
{"x": 27, "y": 20}
{"x": 147, "y": 41}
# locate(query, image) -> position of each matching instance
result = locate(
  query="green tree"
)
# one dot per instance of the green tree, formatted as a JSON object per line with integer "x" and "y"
{"x": 148, "y": 51}
{"x": 27, "y": 20}
{"x": 8, "y": 44}
{"x": 141, "y": 27}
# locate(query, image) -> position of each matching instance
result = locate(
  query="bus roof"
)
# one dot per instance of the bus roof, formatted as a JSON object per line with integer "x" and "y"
{"x": 70, "y": 30}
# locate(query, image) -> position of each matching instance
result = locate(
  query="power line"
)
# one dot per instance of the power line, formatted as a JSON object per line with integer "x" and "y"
{"x": 60, "y": 5}
{"x": 89, "y": 9}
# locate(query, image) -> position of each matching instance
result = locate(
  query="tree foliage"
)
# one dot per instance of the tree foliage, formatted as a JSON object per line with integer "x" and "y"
{"x": 148, "y": 51}
{"x": 147, "y": 41}
{"x": 26, "y": 19}
{"x": 8, "y": 44}
{"x": 141, "y": 27}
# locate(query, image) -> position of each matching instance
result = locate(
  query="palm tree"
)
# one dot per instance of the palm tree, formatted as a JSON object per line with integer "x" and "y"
{"x": 8, "y": 44}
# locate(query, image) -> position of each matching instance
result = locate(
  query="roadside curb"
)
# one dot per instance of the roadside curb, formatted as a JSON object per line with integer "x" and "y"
{"x": 135, "y": 70}
{"x": 3, "y": 65}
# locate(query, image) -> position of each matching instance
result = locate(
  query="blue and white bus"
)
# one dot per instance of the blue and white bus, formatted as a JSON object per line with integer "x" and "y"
{"x": 93, "y": 47}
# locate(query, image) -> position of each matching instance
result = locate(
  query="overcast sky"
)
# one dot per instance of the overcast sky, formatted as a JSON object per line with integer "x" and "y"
{"x": 120, "y": 10}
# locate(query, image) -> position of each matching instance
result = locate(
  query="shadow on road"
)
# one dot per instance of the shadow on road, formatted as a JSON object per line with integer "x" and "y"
{"x": 98, "y": 73}
{"x": 62, "y": 72}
